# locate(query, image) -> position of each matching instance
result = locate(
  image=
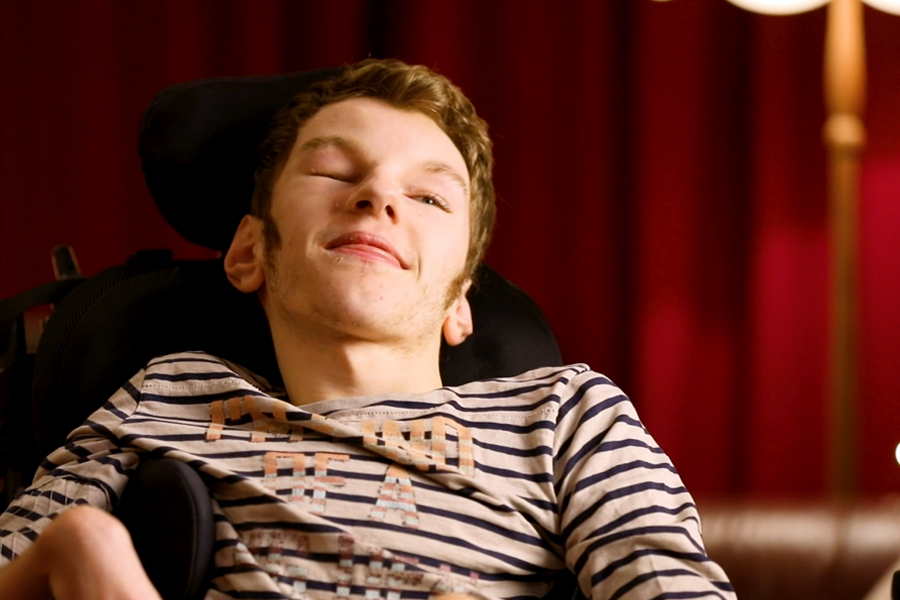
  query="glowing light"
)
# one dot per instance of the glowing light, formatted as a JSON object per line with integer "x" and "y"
{"x": 790, "y": 7}
{"x": 897, "y": 453}
{"x": 779, "y": 7}
{"x": 889, "y": 6}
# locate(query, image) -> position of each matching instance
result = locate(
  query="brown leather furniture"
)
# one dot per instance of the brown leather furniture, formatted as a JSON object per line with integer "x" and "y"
{"x": 803, "y": 550}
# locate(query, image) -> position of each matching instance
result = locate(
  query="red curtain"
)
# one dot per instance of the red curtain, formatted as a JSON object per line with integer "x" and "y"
{"x": 661, "y": 177}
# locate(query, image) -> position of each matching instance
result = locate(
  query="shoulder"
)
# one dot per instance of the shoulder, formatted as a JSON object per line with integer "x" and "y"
{"x": 195, "y": 373}
{"x": 546, "y": 389}
{"x": 564, "y": 381}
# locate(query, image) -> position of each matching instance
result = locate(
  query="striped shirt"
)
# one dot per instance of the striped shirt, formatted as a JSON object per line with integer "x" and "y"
{"x": 491, "y": 488}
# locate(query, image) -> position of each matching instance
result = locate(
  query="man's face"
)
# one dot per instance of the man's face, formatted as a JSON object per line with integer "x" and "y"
{"x": 372, "y": 208}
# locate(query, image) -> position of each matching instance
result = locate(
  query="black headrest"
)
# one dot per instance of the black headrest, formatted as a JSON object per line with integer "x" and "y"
{"x": 198, "y": 145}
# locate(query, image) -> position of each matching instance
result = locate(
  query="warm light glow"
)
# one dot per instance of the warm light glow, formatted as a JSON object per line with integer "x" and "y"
{"x": 779, "y": 7}
{"x": 890, "y": 6}
{"x": 897, "y": 453}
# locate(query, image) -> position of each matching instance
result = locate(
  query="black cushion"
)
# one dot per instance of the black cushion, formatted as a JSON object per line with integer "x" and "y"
{"x": 511, "y": 335}
{"x": 175, "y": 556}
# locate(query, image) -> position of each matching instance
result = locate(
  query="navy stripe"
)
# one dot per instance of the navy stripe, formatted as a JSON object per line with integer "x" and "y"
{"x": 255, "y": 500}
{"x": 413, "y": 405}
{"x": 141, "y": 417}
{"x": 651, "y": 530}
{"x": 586, "y": 482}
{"x": 193, "y": 376}
{"x": 111, "y": 408}
{"x": 575, "y": 399}
{"x": 101, "y": 430}
{"x": 178, "y": 437}
{"x": 132, "y": 391}
{"x": 507, "y": 450}
{"x": 638, "y": 513}
{"x": 618, "y": 494}
{"x": 601, "y": 575}
{"x": 201, "y": 398}
{"x": 210, "y": 360}
{"x": 509, "y": 392}
{"x": 535, "y": 477}
{"x": 688, "y": 595}
{"x": 7, "y": 553}
{"x": 542, "y": 504}
{"x": 25, "y": 513}
{"x": 597, "y": 409}
{"x": 31, "y": 534}
{"x": 87, "y": 481}
{"x": 652, "y": 575}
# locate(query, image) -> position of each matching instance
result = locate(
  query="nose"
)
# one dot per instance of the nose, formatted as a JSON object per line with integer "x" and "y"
{"x": 376, "y": 195}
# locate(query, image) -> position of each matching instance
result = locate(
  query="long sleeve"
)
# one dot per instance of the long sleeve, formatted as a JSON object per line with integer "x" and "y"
{"x": 91, "y": 468}
{"x": 632, "y": 528}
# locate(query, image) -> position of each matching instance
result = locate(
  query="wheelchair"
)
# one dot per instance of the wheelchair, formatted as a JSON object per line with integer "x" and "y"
{"x": 197, "y": 145}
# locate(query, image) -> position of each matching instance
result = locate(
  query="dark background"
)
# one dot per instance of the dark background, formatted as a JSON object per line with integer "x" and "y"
{"x": 660, "y": 169}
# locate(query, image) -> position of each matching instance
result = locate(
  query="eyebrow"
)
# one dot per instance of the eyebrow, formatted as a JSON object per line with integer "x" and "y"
{"x": 331, "y": 140}
{"x": 350, "y": 145}
{"x": 442, "y": 168}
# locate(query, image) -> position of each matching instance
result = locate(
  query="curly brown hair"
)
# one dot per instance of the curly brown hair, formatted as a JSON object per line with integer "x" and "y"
{"x": 408, "y": 87}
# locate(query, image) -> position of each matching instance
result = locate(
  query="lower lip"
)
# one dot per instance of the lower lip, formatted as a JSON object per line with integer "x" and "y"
{"x": 368, "y": 254}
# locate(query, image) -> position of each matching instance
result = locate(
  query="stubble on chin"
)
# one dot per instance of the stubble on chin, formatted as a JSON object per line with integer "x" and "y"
{"x": 335, "y": 310}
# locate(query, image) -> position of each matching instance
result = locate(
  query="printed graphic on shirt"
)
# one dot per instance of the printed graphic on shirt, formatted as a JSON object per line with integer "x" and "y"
{"x": 429, "y": 445}
{"x": 262, "y": 428}
{"x": 426, "y": 443}
{"x": 423, "y": 443}
{"x": 363, "y": 570}
{"x": 298, "y": 486}
{"x": 396, "y": 494}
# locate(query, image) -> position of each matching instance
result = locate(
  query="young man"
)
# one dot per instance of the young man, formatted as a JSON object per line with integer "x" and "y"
{"x": 364, "y": 477}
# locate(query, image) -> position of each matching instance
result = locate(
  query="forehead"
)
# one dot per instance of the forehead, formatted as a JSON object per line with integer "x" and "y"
{"x": 381, "y": 130}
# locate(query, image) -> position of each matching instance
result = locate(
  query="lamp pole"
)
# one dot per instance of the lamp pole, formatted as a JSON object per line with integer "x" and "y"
{"x": 844, "y": 135}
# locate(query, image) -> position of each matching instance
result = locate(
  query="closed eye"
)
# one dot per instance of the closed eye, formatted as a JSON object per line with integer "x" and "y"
{"x": 335, "y": 176}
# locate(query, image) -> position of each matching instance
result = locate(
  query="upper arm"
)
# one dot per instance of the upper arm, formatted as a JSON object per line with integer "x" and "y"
{"x": 631, "y": 527}
{"x": 90, "y": 468}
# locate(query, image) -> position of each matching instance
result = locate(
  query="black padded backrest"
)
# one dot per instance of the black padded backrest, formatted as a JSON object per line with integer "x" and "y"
{"x": 104, "y": 331}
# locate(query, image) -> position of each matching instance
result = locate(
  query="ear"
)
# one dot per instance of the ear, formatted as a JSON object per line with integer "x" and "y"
{"x": 244, "y": 260}
{"x": 458, "y": 325}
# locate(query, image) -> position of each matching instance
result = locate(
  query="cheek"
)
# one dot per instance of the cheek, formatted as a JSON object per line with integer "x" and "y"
{"x": 298, "y": 223}
{"x": 451, "y": 245}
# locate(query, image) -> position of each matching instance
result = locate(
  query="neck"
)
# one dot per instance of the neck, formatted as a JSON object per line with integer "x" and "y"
{"x": 325, "y": 366}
